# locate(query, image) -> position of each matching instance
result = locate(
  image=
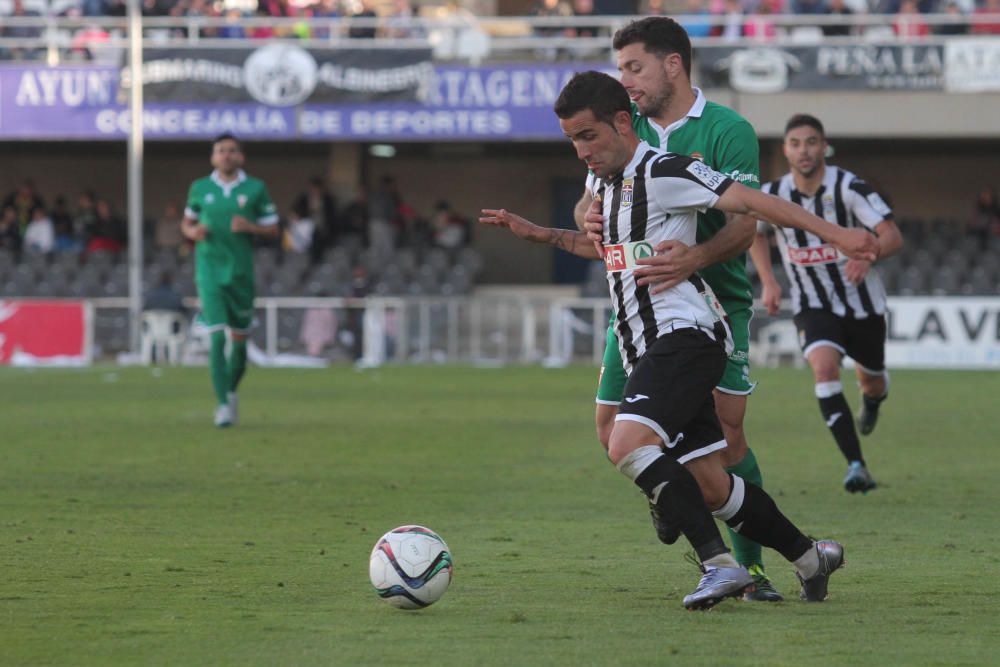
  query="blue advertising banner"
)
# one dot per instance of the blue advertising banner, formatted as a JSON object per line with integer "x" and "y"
{"x": 449, "y": 103}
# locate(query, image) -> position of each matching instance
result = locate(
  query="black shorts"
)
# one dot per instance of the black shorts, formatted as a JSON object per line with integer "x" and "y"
{"x": 670, "y": 391}
{"x": 862, "y": 340}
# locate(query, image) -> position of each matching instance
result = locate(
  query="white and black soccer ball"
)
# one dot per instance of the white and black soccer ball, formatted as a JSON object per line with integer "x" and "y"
{"x": 410, "y": 567}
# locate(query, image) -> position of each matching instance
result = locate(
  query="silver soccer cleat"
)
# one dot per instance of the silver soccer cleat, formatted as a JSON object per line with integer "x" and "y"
{"x": 716, "y": 585}
{"x": 831, "y": 558}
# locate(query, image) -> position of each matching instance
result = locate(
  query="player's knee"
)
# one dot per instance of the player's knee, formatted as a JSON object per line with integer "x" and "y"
{"x": 620, "y": 444}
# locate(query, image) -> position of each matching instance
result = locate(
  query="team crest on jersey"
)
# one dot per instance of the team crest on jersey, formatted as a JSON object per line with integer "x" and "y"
{"x": 241, "y": 200}
{"x": 209, "y": 198}
{"x": 827, "y": 200}
{"x": 628, "y": 185}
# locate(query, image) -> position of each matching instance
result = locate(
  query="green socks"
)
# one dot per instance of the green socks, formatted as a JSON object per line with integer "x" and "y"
{"x": 237, "y": 362}
{"x": 219, "y": 368}
{"x": 746, "y": 551}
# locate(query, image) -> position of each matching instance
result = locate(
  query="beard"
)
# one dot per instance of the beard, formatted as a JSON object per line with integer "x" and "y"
{"x": 652, "y": 105}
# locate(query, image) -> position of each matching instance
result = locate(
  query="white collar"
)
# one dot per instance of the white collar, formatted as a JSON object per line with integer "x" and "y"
{"x": 217, "y": 179}
{"x": 696, "y": 110}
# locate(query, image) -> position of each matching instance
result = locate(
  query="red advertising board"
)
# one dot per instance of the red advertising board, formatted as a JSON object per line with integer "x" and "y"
{"x": 44, "y": 333}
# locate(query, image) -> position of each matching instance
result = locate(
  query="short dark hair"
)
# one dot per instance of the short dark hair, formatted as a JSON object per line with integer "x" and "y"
{"x": 660, "y": 35}
{"x": 597, "y": 91}
{"x": 227, "y": 136}
{"x": 805, "y": 120}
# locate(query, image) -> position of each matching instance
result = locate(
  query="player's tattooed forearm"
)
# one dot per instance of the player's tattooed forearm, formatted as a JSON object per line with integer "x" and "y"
{"x": 562, "y": 239}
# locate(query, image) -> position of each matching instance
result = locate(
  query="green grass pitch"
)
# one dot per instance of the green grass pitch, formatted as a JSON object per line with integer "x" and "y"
{"x": 134, "y": 533}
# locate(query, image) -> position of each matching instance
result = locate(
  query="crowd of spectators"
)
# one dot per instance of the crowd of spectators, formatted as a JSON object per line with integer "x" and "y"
{"x": 28, "y": 225}
{"x": 702, "y": 18}
{"x": 314, "y": 223}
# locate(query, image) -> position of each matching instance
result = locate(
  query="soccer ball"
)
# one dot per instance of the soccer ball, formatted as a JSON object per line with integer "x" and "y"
{"x": 410, "y": 567}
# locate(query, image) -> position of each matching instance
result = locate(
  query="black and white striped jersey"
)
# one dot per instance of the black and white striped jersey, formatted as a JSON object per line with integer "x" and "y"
{"x": 816, "y": 269}
{"x": 657, "y": 198}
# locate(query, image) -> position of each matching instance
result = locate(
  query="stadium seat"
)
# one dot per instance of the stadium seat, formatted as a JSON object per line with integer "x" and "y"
{"x": 163, "y": 336}
{"x": 778, "y": 341}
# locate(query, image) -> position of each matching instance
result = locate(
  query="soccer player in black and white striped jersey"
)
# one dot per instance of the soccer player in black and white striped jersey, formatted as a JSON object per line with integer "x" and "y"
{"x": 839, "y": 303}
{"x": 667, "y": 438}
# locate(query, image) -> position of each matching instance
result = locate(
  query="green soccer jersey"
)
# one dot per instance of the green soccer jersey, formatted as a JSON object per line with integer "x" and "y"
{"x": 726, "y": 142}
{"x": 225, "y": 257}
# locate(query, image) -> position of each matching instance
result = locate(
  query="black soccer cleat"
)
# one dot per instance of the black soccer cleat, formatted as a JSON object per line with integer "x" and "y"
{"x": 831, "y": 559}
{"x": 763, "y": 590}
{"x": 868, "y": 416}
{"x": 667, "y": 532}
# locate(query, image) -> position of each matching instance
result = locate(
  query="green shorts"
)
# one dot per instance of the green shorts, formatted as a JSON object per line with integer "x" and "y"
{"x": 227, "y": 306}
{"x": 735, "y": 379}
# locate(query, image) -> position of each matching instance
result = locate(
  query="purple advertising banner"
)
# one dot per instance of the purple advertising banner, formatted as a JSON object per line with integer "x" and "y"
{"x": 455, "y": 103}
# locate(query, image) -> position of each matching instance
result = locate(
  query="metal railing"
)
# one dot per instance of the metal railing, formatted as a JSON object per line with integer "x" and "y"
{"x": 473, "y": 39}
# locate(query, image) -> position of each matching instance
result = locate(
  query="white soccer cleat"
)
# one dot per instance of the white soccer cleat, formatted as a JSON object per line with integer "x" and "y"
{"x": 234, "y": 408}
{"x": 223, "y": 416}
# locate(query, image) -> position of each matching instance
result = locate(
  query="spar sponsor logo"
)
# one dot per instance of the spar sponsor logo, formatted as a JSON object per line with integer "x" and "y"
{"x": 822, "y": 254}
{"x": 614, "y": 258}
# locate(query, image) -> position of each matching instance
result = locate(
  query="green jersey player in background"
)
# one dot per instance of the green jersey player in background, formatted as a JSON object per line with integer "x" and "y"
{"x": 224, "y": 211}
{"x": 654, "y": 58}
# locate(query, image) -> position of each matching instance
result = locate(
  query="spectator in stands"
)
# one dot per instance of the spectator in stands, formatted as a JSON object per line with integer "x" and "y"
{"x": 167, "y": 235}
{"x": 262, "y": 31}
{"x": 60, "y": 212}
{"x": 960, "y": 27}
{"x": 24, "y": 199}
{"x": 366, "y": 11}
{"x": 909, "y": 22}
{"x": 381, "y": 216}
{"x": 319, "y": 204}
{"x": 759, "y": 25}
{"x": 986, "y": 217}
{"x": 65, "y": 241}
{"x": 584, "y": 9}
{"x": 21, "y": 32}
{"x": 838, "y": 8}
{"x": 400, "y": 22}
{"x": 451, "y": 230}
{"x": 809, "y": 7}
{"x": 354, "y": 220}
{"x": 696, "y": 19}
{"x": 732, "y": 20}
{"x": 40, "y": 236}
{"x": 86, "y": 216}
{"x": 553, "y": 9}
{"x": 299, "y": 230}
{"x": 233, "y": 28}
{"x": 984, "y": 26}
{"x": 325, "y": 9}
{"x": 10, "y": 229}
{"x": 164, "y": 296}
{"x": 108, "y": 232}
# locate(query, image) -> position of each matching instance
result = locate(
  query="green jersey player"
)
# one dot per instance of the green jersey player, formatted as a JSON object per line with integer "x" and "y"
{"x": 224, "y": 210}
{"x": 654, "y": 58}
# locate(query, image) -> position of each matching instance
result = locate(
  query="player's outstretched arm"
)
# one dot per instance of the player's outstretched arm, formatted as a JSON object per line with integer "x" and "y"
{"x": 572, "y": 242}
{"x": 855, "y": 243}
